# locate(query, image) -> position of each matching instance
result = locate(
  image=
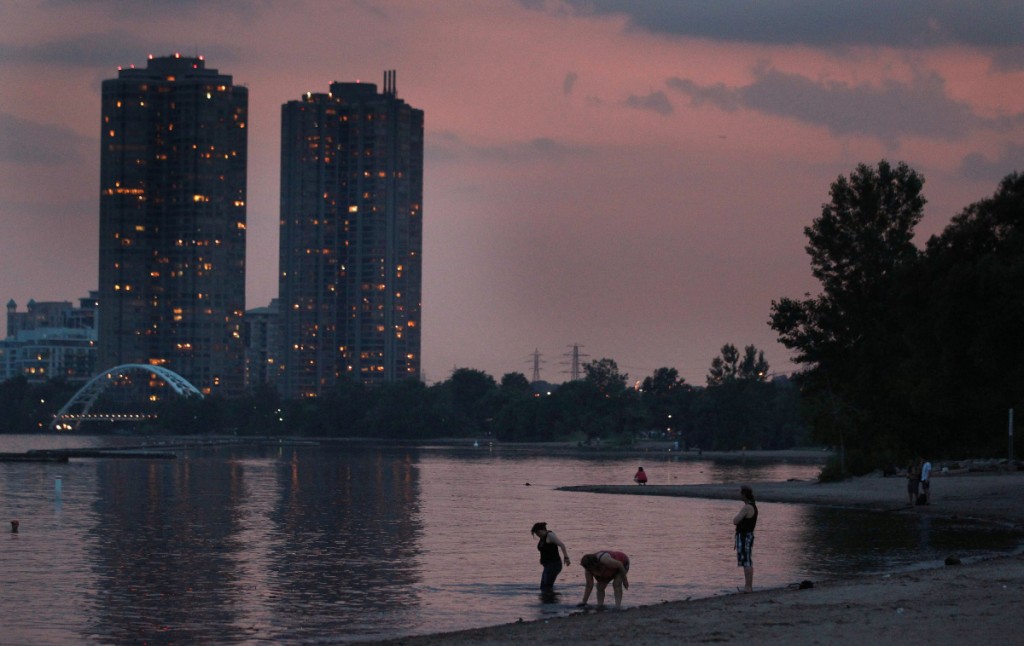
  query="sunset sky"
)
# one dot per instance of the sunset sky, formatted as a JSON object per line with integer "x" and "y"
{"x": 630, "y": 176}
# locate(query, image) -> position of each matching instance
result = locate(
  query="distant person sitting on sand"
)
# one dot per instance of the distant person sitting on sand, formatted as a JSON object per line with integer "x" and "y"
{"x": 913, "y": 480}
{"x": 606, "y": 567}
{"x": 745, "y": 521}
{"x": 549, "y": 545}
{"x": 640, "y": 477}
{"x": 926, "y": 481}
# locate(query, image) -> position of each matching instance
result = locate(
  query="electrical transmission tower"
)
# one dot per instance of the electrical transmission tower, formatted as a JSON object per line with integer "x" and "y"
{"x": 536, "y": 365}
{"x": 574, "y": 361}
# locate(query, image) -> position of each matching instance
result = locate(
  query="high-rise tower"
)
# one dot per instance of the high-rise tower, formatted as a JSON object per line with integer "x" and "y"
{"x": 351, "y": 238}
{"x": 172, "y": 222}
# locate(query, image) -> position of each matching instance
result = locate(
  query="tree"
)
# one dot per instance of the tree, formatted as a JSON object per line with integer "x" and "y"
{"x": 736, "y": 410}
{"x": 663, "y": 383}
{"x": 963, "y": 312}
{"x": 863, "y": 236}
{"x": 604, "y": 375}
{"x": 665, "y": 395}
{"x": 472, "y": 399}
{"x": 406, "y": 409}
{"x": 30, "y": 407}
{"x": 614, "y": 408}
{"x": 753, "y": 367}
{"x": 343, "y": 408}
{"x": 516, "y": 413}
{"x": 725, "y": 366}
{"x": 859, "y": 247}
{"x": 516, "y": 383}
{"x": 729, "y": 367}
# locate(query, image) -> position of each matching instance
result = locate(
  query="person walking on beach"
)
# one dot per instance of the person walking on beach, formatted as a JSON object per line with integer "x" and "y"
{"x": 745, "y": 521}
{"x": 913, "y": 480}
{"x": 926, "y": 481}
{"x": 641, "y": 476}
{"x": 549, "y": 545}
{"x": 605, "y": 567}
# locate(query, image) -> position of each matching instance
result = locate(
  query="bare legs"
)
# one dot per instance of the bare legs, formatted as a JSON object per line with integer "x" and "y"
{"x": 616, "y": 589}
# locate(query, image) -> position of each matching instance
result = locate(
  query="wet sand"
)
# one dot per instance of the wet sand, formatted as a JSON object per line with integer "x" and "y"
{"x": 955, "y": 604}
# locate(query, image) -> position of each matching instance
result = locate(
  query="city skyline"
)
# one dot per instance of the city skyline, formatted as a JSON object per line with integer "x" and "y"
{"x": 632, "y": 177}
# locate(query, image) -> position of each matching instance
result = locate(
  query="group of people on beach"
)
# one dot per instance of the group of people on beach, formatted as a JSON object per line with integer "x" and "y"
{"x": 612, "y": 566}
{"x": 919, "y": 482}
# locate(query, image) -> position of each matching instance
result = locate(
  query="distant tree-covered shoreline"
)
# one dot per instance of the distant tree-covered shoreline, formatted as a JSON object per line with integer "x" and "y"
{"x": 739, "y": 408}
{"x": 905, "y": 352}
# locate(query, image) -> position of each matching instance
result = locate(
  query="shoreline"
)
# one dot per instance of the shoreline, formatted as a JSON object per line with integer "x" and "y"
{"x": 989, "y": 496}
{"x": 978, "y": 599}
{"x": 654, "y": 449}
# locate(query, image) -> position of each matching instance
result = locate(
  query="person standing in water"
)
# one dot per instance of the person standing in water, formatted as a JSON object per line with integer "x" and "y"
{"x": 913, "y": 481}
{"x": 745, "y": 521}
{"x": 926, "y": 480}
{"x": 549, "y": 545}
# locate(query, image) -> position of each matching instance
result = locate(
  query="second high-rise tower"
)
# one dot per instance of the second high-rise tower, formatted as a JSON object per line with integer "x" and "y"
{"x": 351, "y": 238}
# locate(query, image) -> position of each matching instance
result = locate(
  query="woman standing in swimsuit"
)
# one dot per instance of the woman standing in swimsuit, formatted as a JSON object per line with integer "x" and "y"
{"x": 606, "y": 567}
{"x": 548, "y": 546}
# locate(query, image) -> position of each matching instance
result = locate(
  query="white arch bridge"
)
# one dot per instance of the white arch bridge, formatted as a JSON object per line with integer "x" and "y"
{"x": 76, "y": 411}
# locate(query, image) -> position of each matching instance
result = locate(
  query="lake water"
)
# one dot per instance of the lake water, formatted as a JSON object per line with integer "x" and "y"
{"x": 330, "y": 544}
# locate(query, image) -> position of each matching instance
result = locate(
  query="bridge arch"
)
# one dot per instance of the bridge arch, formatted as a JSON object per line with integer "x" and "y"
{"x": 73, "y": 413}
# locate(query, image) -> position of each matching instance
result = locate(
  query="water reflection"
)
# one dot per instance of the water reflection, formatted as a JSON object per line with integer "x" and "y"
{"x": 887, "y": 541}
{"x": 154, "y": 514}
{"x": 276, "y": 545}
{"x": 305, "y": 544}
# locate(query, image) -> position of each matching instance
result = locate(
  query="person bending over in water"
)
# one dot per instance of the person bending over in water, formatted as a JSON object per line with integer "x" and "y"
{"x": 745, "y": 521}
{"x": 548, "y": 546}
{"x": 605, "y": 567}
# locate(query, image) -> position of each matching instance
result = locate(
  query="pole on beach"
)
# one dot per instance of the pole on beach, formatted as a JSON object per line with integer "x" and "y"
{"x": 1009, "y": 455}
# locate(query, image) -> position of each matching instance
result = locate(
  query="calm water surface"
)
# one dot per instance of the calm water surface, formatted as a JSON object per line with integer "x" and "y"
{"x": 326, "y": 544}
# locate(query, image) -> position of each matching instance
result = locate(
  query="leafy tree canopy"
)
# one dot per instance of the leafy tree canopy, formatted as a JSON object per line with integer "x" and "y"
{"x": 728, "y": 366}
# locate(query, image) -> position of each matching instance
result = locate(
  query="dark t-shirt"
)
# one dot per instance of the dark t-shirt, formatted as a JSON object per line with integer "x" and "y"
{"x": 746, "y": 526}
{"x": 548, "y": 551}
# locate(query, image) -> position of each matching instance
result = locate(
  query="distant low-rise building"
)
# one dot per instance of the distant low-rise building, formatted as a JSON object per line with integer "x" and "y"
{"x": 51, "y": 340}
{"x": 261, "y": 333}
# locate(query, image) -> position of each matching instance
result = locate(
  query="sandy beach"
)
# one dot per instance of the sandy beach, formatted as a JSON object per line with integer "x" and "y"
{"x": 969, "y": 602}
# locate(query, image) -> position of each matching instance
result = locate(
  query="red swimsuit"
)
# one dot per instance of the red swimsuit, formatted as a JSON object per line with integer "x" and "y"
{"x": 602, "y": 572}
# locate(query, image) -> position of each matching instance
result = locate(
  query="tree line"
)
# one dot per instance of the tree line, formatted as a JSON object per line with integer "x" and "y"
{"x": 909, "y": 351}
{"x": 739, "y": 407}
